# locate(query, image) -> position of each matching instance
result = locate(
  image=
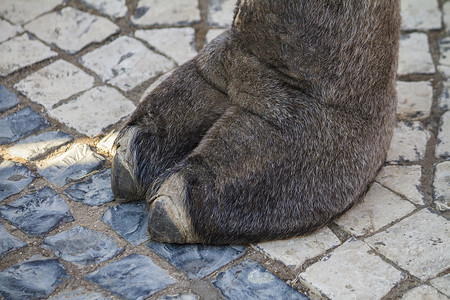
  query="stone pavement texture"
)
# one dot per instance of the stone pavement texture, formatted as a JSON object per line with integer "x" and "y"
{"x": 71, "y": 72}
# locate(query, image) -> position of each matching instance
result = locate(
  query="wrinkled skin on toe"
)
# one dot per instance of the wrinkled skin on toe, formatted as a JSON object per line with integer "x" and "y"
{"x": 277, "y": 126}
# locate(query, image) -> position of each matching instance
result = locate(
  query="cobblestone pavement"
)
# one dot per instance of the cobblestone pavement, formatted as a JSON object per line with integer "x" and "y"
{"x": 72, "y": 71}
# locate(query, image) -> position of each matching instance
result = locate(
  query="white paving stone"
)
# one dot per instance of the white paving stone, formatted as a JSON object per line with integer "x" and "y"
{"x": 71, "y": 29}
{"x": 446, "y": 17}
{"x": 418, "y": 244}
{"x": 55, "y": 82}
{"x": 408, "y": 143}
{"x": 441, "y": 185}
{"x": 414, "y": 99}
{"x": 443, "y": 140}
{"x": 163, "y": 12}
{"x": 94, "y": 110}
{"x": 424, "y": 292}
{"x": 414, "y": 55}
{"x": 212, "y": 34}
{"x": 444, "y": 99}
{"x": 177, "y": 43}
{"x": 155, "y": 84}
{"x": 20, "y": 52}
{"x": 379, "y": 208}
{"x": 35, "y": 146}
{"x": 351, "y": 271}
{"x": 442, "y": 284}
{"x": 221, "y": 12}
{"x": 113, "y": 8}
{"x": 420, "y": 15}
{"x": 126, "y": 62}
{"x": 22, "y": 11}
{"x": 7, "y": 30}
{"x": 405, "y": 180}
{"x": 444, "y": 60}
{"x": 294, "y": 252}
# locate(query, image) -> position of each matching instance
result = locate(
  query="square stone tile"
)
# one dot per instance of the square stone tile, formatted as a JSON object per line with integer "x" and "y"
{"x": 8, "y": 242}
{"x": 22, "y": 11}
{"x": 444, "y": 99}
{"x": 155, "y": 84}
{"x": 377, "y": 209}
{"x": 441, "y": 186}
{"x": 418, "y": 244}
{"x": 134, "y": 277}
{"x": 177, "y": 43}
{"x": 414, "y": 100}
{"x": 14, "y": 177}
{"x": 352, "y": 271}
{"x": 212, "y": 34}
{"x": 221, "y": 12}
{"x": 179, "y": 297}
{"x": 197, "y": 261}
{"x": 7, "y": 30}
{"x": 20, "y": 52}
{"x": 444, "y": 60}
{"x": 424, "y": 292}
{"x": 129, "y": 220}
{"x": 112, "y": 8}
{"x": 161, "y": 12}
{"x": 35, "y": 278}
{"x": 94, "y": 191}
{"x": 94, "y": 110}
{"x": 446, "y": 17}
{"x": 405, "y": 180}
{"x": 415, "y": 56}
{"x": 408, "y": 143}
{"x": 443, "y": 139}
{"x": 38, "y": 213}
{"x": 82, "y": 246}
{"x": 38, "y": 145}
{"x": 79, "y": 294}
{"x": 71, "y": 165}
{"x": 126, "y": 63}
{"x": 7, "y": 99}
{"x": 250, "y": 280}
{"x": 294, "y": 252}
{"x": 442, "y": 284}
{"x": 20, "y": 124}
{"x": 71, "y": 29}
{"x": 53, "y": 83}
{"x": 420, "y": 15}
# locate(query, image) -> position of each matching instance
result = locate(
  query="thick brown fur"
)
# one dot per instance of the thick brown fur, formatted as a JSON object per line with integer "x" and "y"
{"x": 280, "y": 123}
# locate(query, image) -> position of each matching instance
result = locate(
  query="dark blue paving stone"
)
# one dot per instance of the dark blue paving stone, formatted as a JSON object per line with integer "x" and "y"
{"x": 82, "y": 246}
{"x": 8, "y": 242}
{"x": 20, "y": 124}
{"x": 7, "y": 99}
{"x": 129, "y": 220}
{"x": 79, "y": 294}
{"x": 249, "y": 280}
{"x": 179, "y": 297}
{"x": 133, "y": 277}
{"x": 197, "y": 261}
{"x": 94, "y": 191}
{"x": 35, "y": 278}
{"x": 37, "y": 213}
{"x": 13, "y": 178}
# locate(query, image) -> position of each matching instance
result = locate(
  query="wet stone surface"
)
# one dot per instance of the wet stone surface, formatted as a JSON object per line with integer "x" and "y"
{"x": 34, "y": 278}
{"x": 249, "y": 280}
{"x": 13, "y": 178}
{"x": 82, "y": 246}
{"x": 7, "y": 99}
{"x": 8, "y": 242}
{"x": 79, "y": 294}
{"x": 39, "y": 145}
{"x": 38, "y": 213}
{"x": 20, "y": 124}
{"x": 94, "y": 191}
{"x": 129, "y": 220}
{"x": 133, "y": 277}
{"x": 197, "y": 261}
